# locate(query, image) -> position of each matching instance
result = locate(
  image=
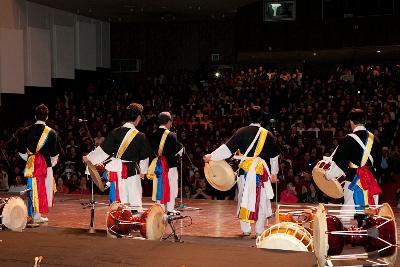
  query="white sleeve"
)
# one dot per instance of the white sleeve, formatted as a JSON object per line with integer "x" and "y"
{"x": 334, "y": 172}
{"x": 221, "y": 153}
{"x": 97, "y": 156}
{"x": 23, "y": 156}
{"x": 54, "y": 160}
{"x": 274, "y": 165}
{"x": 144, "y": 165}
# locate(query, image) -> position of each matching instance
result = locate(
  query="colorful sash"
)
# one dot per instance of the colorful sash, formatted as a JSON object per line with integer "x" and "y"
{"x": 364, "y": 185}
{"x": 158, "y": 172}
{"x": 36, "y": 172}
{"x": 256, "y": 174}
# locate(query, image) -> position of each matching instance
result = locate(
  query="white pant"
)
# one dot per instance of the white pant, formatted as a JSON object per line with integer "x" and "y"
{"x": 349, "y": 205}
{"x": 50, "y": 186}
{"x": 264, "y": 209}
{"x": 173, "y": 188}
{"x": 130, "y": 191}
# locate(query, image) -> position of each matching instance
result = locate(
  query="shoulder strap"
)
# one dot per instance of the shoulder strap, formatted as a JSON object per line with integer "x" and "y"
{"x": 261, "y": 142}
{"x": 129, "y": 136}
{"x": 251, "y": 145}
{"x": 43, "y": 138}
{"x": 366, "y": 149}
{"x": 162, "y": 142}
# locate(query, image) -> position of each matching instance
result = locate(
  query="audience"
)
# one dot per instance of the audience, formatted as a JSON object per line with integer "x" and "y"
{"x": 306, "y": 114}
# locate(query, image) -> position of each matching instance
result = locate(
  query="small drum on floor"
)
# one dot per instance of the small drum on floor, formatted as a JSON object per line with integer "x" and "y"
{"x": 286, "y": 236}
{"x": 377, "y": 236}
{"x": 302, "y": 215}
{"x": 13, "y": 213}
{"x": 220, "y": 175}
{"x": 334, "y": 187}
{"x": 121, "y": 222}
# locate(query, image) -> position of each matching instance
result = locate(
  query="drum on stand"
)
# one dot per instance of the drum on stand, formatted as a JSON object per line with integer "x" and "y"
{"x": 377, "y": 235}
{"x": 13, "y": 213}
{"x": 286, "y": 236}
{"x": 120, "y": 222}
{"x": 220, "y": 175}
{"x": 94, "y": 174}
{"x": 302, "y": 215}
{"x": 334, "y": 187}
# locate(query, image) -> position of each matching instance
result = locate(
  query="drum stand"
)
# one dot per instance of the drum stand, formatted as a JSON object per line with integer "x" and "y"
{"x": 170, "y": 220}
{"x": 92, "y": 204}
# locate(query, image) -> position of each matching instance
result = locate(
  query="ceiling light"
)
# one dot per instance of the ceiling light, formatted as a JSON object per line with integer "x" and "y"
{"x": 378, "y": 51}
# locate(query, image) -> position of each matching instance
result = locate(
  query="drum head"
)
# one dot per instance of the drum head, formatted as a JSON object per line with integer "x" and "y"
{"x": 332, "y": 188}
{"x": 15, "y": 214}
{"x": 95, "y": 176}
{"x": 387, "y": 212}
{"x": 155, "y": 223}
{"x": 285, "y": 236}
{"x": 320, "y": 238}
{"x": 220, "y": 175}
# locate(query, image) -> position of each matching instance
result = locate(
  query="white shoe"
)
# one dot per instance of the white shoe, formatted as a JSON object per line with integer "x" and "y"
{"x": 174, "y": 212}
{"x": 41, "y": 220}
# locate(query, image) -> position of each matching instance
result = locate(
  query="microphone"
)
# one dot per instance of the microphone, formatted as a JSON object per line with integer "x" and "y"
{"x": 23, "y": 192}
{"x": 82, "y": 120}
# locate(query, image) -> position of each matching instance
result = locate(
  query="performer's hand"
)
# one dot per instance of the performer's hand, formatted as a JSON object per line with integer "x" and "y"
{"x": 85, "y": 159}
{"x": 141, "y": 176}
{"x": 274, "y": 178}
{"x": 207, "y": 158}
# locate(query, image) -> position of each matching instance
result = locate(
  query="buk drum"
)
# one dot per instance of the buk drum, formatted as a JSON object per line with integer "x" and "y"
{"x": 220, "y": 175}
{"x": 377, "y": 236}
{"x": 331, "y": 187}
{"x": 13, "y": 213}
{"x": 302, "y": 215}
{"x": 150, "y": 223}
{"x": 286, "y": 236}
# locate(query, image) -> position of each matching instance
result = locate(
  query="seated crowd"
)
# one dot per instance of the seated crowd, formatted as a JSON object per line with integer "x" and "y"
{"x": 307, "y": 116}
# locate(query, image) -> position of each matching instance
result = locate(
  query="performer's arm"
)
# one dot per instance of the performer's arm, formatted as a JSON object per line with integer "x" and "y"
{"x": 54, "y": 149}
{"x": 274, "y": 165}
{"x": 144, "y": 165}
{"x": 221, "y": 153}
{"x": 340, "y": 160}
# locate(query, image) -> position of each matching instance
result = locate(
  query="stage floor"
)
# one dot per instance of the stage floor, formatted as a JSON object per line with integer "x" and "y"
{"x": 214, "y": 226}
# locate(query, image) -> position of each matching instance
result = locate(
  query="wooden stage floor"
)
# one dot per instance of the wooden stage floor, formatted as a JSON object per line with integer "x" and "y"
{"x": 213, "y": 224}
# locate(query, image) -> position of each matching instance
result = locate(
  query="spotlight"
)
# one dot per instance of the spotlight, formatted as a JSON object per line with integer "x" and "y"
{"x": 378, "y": 51}
{"x": 217, "y": 74}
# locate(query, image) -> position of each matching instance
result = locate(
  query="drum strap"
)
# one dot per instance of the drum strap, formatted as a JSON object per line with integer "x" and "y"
{"x": 366, "y": 148}
{"x": 129, "y": 136}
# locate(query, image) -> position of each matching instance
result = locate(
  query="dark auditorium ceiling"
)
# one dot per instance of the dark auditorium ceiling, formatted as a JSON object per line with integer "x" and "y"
{"x": 150, "y": 10}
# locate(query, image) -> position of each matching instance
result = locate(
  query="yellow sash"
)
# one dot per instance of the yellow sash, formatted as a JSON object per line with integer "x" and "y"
{"x": 29, "y": 168}
{"x": 245, "y": 165}
{"x": 126, "y": 142}
{"x": 151, "y": 170}
{"x": 367, "y": 151}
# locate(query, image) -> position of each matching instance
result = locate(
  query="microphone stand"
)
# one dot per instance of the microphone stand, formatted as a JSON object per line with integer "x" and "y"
{"x": 182, "y": 206}
{"x": 92, "y": 203}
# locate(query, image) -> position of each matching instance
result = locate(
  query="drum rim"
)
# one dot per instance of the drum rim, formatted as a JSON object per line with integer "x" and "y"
{"x": 320, "y": 239}
{"x": 387, "y": 211}
{"x": 94, "y": 174}
{"x": 7, "y": 208}
{"x": 324, "y": 184}
{"x": 156, "y": 208}
{"x": 230, "y": 178}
